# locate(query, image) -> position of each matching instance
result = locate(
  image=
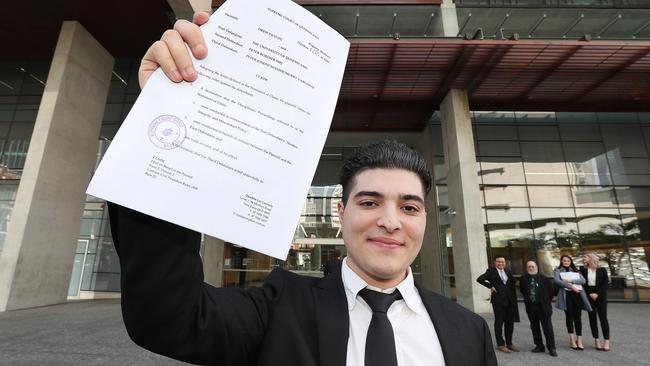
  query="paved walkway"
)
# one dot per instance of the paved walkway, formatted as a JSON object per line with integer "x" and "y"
{"x": 92, "y": 333}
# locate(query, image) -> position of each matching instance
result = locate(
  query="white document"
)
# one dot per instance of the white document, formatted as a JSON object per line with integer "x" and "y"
{"x": 232, "y": 155}
{"x": 571, "y": 276}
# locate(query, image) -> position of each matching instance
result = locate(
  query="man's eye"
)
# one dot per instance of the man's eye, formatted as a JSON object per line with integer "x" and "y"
{"x": 367, "y": 203}
{"x": 410, "y": 208}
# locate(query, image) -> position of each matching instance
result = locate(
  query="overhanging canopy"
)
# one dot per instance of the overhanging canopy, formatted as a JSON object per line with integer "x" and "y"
{"x": 397, "y": 84}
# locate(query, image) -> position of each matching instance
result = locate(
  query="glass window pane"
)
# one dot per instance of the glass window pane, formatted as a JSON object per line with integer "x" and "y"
{"x": 600, "y": 228}
{"x": 539, "y": 133}
{"x": 548, "y": 196}
{"x": 442, "y": 196}
{"x": 502, "y": 171}
{"x": 579, "y": 132}
{"x": 436, "y": 131}
{"x": 556, "y": 232}
{"x": 627, "y": 139}
{"x": 535, "y": 117}
{"x": 631, "y": 197}
{"x": 637, "y": 234}
{"x": 494, "y": 117}
{"x": 544, "y": 163}
{"x": 505, "y": 196}
{"x": 586, "y": 163}
{"x": 498, "y": 148}
{"x": 576, "y": 117}
{"x": 593, "y": 196}
{"x": 510, "y": 233}
{"x": 500, "y": 132}
{"x": 439, "y": 170}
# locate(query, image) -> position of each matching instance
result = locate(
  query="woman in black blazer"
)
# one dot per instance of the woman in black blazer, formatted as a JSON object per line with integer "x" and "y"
{"x": 596, "y": 288}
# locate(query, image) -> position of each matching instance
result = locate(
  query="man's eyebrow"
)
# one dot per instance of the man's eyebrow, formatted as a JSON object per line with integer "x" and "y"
{"x": 411, "y": 197}
{"x": 368, "y": 193}
{"x": 403, "y": 197}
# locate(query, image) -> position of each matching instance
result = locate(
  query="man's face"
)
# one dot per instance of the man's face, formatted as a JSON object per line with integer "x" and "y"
{"x": 531, "y": 268}
{"x": 383, "y": 224}
{"x": 500, "y": 263}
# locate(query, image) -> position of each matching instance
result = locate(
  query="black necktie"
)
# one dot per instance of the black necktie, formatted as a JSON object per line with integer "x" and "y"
{"x": 380, "y": 341}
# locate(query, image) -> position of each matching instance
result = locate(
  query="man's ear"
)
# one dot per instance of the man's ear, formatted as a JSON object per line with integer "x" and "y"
{"x": 341, "y": 209}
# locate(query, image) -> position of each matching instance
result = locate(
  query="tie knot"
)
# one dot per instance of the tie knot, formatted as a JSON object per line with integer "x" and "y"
{"x": 379, "y": 301}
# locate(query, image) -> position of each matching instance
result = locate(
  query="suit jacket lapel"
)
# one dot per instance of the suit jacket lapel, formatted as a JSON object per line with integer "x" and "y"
{"x": 446, "y": 331}
{"x": 332, "y": 319}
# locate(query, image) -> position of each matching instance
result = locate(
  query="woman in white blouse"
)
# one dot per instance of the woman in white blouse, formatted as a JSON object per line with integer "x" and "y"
{"x": 596, "y": 288}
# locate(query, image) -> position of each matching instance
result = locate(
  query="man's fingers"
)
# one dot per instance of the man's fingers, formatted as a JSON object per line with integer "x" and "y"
{"x": 192, "y": 35}
{"x": 158, "y": 56}
{"x": 176, "y": 47}
{"x": 200, "y": 18}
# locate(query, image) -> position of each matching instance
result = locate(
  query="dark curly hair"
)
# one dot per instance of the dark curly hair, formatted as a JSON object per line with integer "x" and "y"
{"x": 386, "y": 154}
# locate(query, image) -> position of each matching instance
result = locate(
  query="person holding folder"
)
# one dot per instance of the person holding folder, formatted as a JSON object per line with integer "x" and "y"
{"x": 571, "y": 298}
{"x": 367, "y": 311}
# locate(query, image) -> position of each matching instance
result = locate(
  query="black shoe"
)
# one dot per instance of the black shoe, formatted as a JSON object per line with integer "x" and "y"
{"x": 580, "y": 348}
{"x": 552, "y": 352}
{"x": 538, "y": 349}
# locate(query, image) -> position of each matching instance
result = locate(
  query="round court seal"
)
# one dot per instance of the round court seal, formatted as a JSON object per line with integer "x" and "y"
{"x": 167, "y": 131}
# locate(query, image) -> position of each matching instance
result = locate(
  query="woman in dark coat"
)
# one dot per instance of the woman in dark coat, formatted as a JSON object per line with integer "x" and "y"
{"x": 596, "y": 289}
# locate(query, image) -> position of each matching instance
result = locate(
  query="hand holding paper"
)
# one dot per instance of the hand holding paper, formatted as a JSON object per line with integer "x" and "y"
{"x": 232, "y": 154}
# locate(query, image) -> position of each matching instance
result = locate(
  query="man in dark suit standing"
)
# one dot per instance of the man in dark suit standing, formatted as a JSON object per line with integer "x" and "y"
{"x": 538, "y": 293}
{"x": 501, "y": 282}
{"x": 367, "y": 310}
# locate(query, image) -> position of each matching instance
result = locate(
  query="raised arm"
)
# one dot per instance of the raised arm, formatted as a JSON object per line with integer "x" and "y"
{"x": 166, "y": 306}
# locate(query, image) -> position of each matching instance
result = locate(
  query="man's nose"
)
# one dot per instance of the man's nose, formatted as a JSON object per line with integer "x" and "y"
{"x": 389, "y": 219}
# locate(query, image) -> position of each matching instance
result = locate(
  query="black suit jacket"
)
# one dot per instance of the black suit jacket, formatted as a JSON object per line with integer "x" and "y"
{"x": 506, "y": 294}
{"x": 544, "y": 292}
{"x": 290, "y": 320}
{"x": 602, "y": 280}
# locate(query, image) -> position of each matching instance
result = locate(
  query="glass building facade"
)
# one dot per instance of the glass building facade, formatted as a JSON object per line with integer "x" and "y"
{"x": 562, "y": 183}
{"x": 551, "y": 183}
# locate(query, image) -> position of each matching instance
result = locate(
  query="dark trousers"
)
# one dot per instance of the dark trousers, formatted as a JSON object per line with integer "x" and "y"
{"x": 600, "y": 310}
{"x": 503, "y": 320}
{"x": 573, "y": 312}
{"x": 537, "y": 316}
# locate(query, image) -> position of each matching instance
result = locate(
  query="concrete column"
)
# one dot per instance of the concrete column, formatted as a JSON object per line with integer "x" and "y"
{"x": 213, "y": 261}
{"x": 470, "y": 256}
{"x": 430, "y": 257}
{"x": 37, "y": 260}
{"x": 449, "y": 18}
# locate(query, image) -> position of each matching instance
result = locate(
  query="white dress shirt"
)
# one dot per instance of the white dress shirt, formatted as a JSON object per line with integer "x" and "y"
{"x": 504, "y": 276}
{"x": 416, "y": 340}
{"x": 591, "y": 277}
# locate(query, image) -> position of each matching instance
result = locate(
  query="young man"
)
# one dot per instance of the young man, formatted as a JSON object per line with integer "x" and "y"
{"x": 295, "y": 320}
{"x": 538, "y": 293}
{"x": 501, "y": 282}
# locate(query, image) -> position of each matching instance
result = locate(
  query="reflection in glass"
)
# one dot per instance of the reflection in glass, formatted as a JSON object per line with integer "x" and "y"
{"x": 601, "y": 231}
{"x": 636, "y": 224}
{"x": 510, "y": 234}
{"x": 544, "y": 163}
{"x": 244, "y": 267}
{"x": 505, "y": 196}
{"x": 556, "y": 233}
{"x": 502, "y": 170}
{"x": 593, "y": 196}
{"x": 550, "y": 196}
{"x": 319, "y": 217}
{"x": 586, "y": 163}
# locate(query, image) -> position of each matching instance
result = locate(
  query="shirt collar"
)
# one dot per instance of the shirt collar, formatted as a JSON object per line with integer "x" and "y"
{"x": 353, "y": 284}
